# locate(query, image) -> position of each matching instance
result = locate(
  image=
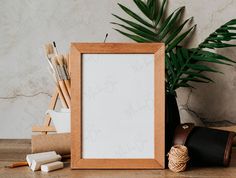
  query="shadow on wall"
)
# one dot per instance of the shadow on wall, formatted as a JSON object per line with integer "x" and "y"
{"x": 215, "y": 102}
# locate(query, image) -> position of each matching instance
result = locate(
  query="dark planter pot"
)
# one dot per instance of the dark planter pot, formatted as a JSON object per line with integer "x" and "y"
{"x": 172, "y": 120}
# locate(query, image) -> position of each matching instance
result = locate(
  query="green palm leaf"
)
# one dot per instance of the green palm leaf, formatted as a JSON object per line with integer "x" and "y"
{"x": 177, "y": 31}
{"x": 179, "y": 39}
{"x": 135, "y": 25}
{"x": 160, "y": 12}
{"x": 144, "y": 8}
{"x": 169, "y": 23}
{"x": 134, "y": 37}
{"x": 141, "y": 33}
{"x": 182, "y": 69}
{"x": 135, "y": 16}
{"x": 218, "y": 38}
{"x": 183, "y": 65}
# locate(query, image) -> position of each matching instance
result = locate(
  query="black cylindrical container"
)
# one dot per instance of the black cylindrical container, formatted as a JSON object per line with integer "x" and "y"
{"x": 206, "y": 146}
{"x": 172, "y": 120}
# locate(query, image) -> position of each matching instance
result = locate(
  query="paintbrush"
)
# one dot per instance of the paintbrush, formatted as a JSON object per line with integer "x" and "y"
{"x": 63, "y": 71}
{"x": 62, "y": 99}
{"x": 55, "y": 47}
{"x": 60, "y": 80}
{"x": 50, "y": 54}
{"x": 67, "y": 64}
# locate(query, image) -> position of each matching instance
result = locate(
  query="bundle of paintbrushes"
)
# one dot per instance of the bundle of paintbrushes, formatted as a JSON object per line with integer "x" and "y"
{"x": 59, "y": 68}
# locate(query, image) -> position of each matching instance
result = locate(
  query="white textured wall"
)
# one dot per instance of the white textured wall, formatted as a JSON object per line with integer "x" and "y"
{"x": 25, "y": 25}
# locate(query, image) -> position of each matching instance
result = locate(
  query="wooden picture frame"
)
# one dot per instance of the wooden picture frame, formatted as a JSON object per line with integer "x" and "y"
{"x": 76, "y": 53}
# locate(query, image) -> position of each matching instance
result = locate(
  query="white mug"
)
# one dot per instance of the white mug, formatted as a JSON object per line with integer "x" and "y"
{"x": 61, "y": 120}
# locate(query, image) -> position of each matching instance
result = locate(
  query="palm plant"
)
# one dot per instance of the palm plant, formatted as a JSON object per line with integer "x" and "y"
{"x": 183, "y": 65}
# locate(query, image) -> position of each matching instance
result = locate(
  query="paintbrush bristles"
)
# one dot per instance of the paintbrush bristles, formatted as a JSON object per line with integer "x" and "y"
{"x": 59, "y": 72}
{"x": 66, "y": 65}
{"x": 63, "y": 67}
{"x": 48, "y": 48}
{"x": 60, "y": 59}
{"x": 66, "y": 60}
{"x": 56, "y": 68}
{"x": 55, "y": 60}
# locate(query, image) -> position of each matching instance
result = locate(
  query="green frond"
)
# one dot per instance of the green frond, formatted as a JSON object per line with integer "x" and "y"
{"x": 133, "y": 37}
{"x": 160, "y": 12}
{"x": 169, "y": 23}
{"x": 177, "y": 31}
{"x": 183, "y": 65}
{"x": 135, "y": 16}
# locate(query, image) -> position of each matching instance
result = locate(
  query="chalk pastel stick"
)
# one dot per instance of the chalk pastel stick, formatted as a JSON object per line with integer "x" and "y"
{"x": 52, "y": 166}
{"x": 36, "y": 163}
{"x": 30, "y": 157}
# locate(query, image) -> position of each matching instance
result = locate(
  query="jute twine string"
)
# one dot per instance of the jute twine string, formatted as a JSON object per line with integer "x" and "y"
{"x": 178, "y": 158}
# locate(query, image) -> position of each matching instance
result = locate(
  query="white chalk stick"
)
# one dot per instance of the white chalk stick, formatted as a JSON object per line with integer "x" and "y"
{"x": 36, "y": 163}
{"x": 52, "y": 166}
{"x": 30, "y": 157}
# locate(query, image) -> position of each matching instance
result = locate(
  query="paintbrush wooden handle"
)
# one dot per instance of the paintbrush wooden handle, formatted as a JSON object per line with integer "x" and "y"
{"x": 67, "y": 83}
{"x": 17, "y": 164}
{"x": 64, "y": 92}
{"x": 61, "y": 96}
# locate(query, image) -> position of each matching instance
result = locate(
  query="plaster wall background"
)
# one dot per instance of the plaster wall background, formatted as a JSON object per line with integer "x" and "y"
{"x": 26, "y": 86}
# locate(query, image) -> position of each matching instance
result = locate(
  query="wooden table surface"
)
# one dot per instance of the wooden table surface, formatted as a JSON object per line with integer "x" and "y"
{"x": 15, "y": 150}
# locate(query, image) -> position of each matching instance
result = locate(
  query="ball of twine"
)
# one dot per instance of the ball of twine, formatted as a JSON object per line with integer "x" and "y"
{"x": 178, "y": 158}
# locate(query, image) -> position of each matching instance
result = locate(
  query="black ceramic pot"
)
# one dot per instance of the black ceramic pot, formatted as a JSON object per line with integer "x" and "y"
{"x": 172, "y": 120}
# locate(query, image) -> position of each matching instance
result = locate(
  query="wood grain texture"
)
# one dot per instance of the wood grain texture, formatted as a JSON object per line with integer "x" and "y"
{"x": 67, "y": 83}
{"x": 59, "y": 142}
{"x": 65, "y": 92}
{"x": 62, "y": 98}
{"x": 118, "y": 164}
{"x": 77, "y": 49}
{"x": 159, "y": 100}
{"x": 38, "y": 128}
{"x": 76, "y": 126}
{"x": 117, "y": 48}
{"x": 16, "y": 150}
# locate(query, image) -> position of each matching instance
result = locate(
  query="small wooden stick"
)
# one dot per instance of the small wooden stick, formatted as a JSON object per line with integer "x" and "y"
{"x": 17, "y": 164}
{"x": 52, "y": 105}
{"x": 64, "y": 91}
{"x": 63, "y": 101}
{"x": 67, "y": 83}
{"x": 43, "y": 129}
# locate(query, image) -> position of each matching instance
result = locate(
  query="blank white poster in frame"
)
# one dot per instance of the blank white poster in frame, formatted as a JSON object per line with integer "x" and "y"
{"x": 117, "y": 114}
